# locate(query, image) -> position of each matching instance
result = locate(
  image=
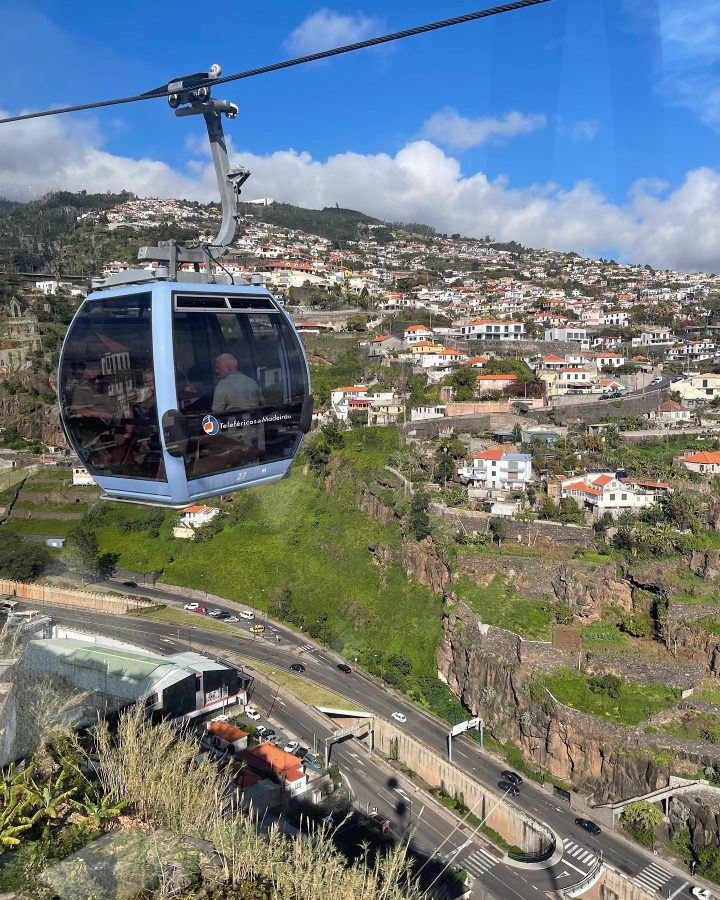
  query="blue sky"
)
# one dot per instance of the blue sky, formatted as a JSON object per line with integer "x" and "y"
{"x": 583, "y": 124}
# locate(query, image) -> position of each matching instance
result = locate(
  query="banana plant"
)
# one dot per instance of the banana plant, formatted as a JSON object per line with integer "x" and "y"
{"x": 99, "y": 807}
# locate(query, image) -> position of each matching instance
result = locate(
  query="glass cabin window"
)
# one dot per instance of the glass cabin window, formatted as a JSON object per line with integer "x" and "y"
{"x": 241, "y": 382}
{"x": 108, "y": 389}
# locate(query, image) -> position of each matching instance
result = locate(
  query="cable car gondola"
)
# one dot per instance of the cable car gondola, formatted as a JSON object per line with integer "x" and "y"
{"x": 178, "y": 385}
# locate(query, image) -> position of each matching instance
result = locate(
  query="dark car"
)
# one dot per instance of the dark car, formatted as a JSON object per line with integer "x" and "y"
{"x": 130, "y": 583}
{"x": 300, "y": 752}
{"x": 344, "y": 668}
{"x": 269, "y": 734}
{"x": 509, "y": 788}
{"x": 297, "y": 667}
{"x": 512, "y": 777}
{"x": 588, "y": 825}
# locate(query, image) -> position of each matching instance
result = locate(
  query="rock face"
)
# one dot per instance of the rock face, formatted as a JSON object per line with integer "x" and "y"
{"x": 423, "y": 562}
{"x": 699, "y": 812}
{"x": 705, "y": 563}
{"x": 586, "y": 592}
{"x": 491, "y": 670}
{"x": 374, "y": 507}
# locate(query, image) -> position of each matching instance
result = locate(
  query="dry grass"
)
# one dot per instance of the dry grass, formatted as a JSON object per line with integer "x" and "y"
{"x": 152, "y": 768}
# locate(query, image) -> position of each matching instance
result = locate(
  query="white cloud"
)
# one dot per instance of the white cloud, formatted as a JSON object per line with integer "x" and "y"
{"x": 326, "y": 28}
{"x": 449, "y": 128}
{"x": 688, "y": 33}
{"x": 676, "y": 226}
{"x": 582, "y": 130}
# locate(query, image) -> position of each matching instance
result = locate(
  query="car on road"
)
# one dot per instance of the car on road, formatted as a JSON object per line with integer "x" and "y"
{"x": 257, "y": 629}
{"x": 656, "y": 381}
{"x": 230, "y": 619}
{"x": 297, "y": 667}
{"x": 291, "y": 746}
{"x": 215, "y": 613}
{"x": 512, "y": 777}
{"x": 399, "y": 717}
{"x": 509, "y": 788}
{"x": 701, "y": 893}
{"x": 252, "y": 713}
{"x": 130, "y": 583}
{"x": 196, "y": 608}
{"x": 588, "y": 825}
{"x": 344, "y": 667}
{"x": 246, "y": 614}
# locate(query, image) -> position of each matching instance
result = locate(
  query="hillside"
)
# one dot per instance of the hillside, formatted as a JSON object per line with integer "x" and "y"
{"x": 333, "y": 223}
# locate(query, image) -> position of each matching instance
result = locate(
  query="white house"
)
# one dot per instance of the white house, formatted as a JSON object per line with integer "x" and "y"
{"x": 602, "y": 492}
{"x": 670, "y": 411}
{"x": 424, "y": 413}
{"x": 655, "y": 336}
{"x": 498, "y": 469}
{"x": 416, "y": 333}
{"x": 493, "y": 330}
{"x": 340, "y": 398}
{"x": 198, "y": 515}
{"x": 698, "y": 389}
{"x": 81, "y": 476}
{"x": 567, "y": 333}
{"x": 609, "y": 360}
{"x": 706, "y": 462}
{"x": 441, "y": 358}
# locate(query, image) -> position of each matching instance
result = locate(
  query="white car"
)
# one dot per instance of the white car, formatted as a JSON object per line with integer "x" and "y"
{"x": 246, "y": 614}
{"x": 291, "y": 747}
{"x": 252, "y": 713}
{"x": 399, "y": 717}
{"x": 220, "y": 719}
{"x": 701, "y": 893}
{"x": 214, "y": 613}
{"x": 231, "y": 619}
{"x": 191, "y": 606}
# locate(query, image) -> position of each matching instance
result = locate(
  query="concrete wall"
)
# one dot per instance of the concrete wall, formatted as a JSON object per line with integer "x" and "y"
{"x": 40, "y": 593}
{"x": 516, "y": 827}
{"x": 616, "y": 886}
{"x": 602, "y": 410}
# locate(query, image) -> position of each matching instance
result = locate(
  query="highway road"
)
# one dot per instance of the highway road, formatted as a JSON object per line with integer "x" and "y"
{"x": 581, "y": 849}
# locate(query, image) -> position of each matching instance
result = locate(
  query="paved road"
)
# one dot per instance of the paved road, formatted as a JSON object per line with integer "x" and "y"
{"x": 320, "y": 665}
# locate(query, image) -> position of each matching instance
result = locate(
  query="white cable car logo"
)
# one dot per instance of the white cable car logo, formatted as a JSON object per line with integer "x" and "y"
{"x": 210, "y": 425}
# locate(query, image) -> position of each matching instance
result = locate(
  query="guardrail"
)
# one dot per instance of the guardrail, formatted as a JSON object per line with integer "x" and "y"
{"x": 588, "y": 881}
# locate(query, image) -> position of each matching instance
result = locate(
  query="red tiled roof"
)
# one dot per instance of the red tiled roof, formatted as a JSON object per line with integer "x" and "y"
{"x": 380, "y": 337}
{"x": 671, "y": 406}
{"x": 352, "y": 387}
{"x": 602, "y": 480}
{"x": 509, "y": 377}
{"x": 477, "y": 359}
{"x": 585, "y": 488}
{"x": 416, "y": 328}
{"x": 226, "y": 731}
{"x": 493, "y": 453}
{"x": 709, "y": 457}
{"x": 268, "y": 757}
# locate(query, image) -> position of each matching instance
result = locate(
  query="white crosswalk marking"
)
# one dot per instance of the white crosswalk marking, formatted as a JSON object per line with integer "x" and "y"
{"x": 307, "y": 648}
{"x": 653, "y": 877}
{"x": 479, "y": 862}
{"x": 579, "y": 853}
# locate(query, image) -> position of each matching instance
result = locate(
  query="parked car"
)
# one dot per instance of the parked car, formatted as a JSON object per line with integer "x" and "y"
{"x": 381, "y": 822}
{"x": 301, "y": 752}
{"x": 262, "y": 731}
{"x": 512, "y": 777}
{"x": 269, "y": 733}
{"x": 215, "y": 613}
{"x": 291, "y": 746}
{"x": 197, "y": 608}
{"x": 509, "y": 788}
{"x": 344, "y": 667}
{"x": 220, "y": 719}
{"x": 246, "y": 614}
{"x": 399, "y": 717}
{"x": 297, "y": 667}
{"x": 257, "y": 629}
{"x": 588, "y": 825}
{"x": 252, "y": 713}
{"x": 701, "y": 893}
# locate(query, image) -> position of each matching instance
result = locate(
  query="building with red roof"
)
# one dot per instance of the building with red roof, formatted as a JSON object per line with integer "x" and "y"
{"x": 605, "y": 492}
{"x": 706, "y": 462}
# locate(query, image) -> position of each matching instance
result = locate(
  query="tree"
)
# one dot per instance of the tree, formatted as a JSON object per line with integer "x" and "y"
{"x": 499, "y": 530}
{"x": 318, "y": 454}
{"x": 85, "y": 558}
{"x": 638, "y": 625}
{"x": 642, "y": 814}
{"x": 21, "y": 560}
{"x": 332, "y": 434}
{"x": 418, "y": 519}
{"x": 463, "y": 381}
{"x": 570, "y": 512}
{"x": 444, "y": 467}
{"x": 683, "y": 510}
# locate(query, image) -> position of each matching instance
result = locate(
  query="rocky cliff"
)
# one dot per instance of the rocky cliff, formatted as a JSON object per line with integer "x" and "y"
{"x": 491, "y": 669}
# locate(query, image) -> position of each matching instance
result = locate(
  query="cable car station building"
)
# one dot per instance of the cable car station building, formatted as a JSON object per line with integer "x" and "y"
{"x": 183, "y": 685}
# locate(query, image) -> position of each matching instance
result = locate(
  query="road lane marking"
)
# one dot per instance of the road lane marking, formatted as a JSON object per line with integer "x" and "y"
{"x": 679, "y": 890}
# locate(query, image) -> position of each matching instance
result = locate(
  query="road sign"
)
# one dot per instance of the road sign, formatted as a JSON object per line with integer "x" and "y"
{"x": 463, "y": 726}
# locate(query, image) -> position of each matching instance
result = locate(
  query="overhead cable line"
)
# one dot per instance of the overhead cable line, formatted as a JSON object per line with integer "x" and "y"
{"x": 165, "y": 90}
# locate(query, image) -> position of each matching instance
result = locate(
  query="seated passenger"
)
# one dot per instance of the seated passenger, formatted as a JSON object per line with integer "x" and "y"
{"x": 234, "y": 391}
